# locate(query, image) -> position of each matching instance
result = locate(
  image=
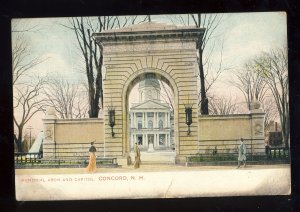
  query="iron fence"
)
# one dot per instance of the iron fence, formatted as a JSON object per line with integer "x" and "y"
{"x": 212, "y": 151}
{"x": 26, "y": 157}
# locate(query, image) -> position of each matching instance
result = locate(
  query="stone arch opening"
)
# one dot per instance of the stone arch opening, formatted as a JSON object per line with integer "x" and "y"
{"x": 133, "y": 80}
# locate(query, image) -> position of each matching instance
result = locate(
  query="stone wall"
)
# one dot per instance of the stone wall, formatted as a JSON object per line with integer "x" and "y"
{"x": 224, "y": 131}
{"x": 72, "y": 137}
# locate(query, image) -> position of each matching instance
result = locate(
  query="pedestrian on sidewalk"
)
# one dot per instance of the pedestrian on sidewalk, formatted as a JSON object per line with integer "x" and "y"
{"x": 137, "y": 156}
{"x": 91, "y": 168}
{"x": 242, "y": 153}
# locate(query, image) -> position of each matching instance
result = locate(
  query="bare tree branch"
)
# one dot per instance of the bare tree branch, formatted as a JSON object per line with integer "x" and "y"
{"x": 65, "y": 98}
{"x": 28, "y": 101}
{"x": 93, "y": 58}
{"x": 222, "y": 105}
{"x": 273, "y": 67}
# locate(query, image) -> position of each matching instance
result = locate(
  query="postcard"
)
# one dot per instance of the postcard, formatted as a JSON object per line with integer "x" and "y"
{"x": 151, "y": 106}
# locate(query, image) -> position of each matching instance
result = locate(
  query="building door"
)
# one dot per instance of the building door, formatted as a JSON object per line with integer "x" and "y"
{"x": 140, "y": 139}
{"x": 150, "y": 139}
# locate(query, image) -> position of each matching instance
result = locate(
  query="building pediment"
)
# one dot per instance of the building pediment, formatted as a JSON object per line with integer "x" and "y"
{"x": 150, "y": 104}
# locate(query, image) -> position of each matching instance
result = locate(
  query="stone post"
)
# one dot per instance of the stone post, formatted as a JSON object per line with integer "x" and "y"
{"x": 49, "y": 145}
{"x": 257, "y": 128}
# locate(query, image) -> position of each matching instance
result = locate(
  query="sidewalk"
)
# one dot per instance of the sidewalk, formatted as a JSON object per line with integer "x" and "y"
{"x": 146, "y": 168}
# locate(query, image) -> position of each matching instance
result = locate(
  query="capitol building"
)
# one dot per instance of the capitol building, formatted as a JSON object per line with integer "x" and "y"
{"x": 151, "y": 120}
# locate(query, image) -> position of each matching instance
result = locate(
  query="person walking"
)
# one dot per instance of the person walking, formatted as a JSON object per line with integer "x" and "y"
{"x": 242, "y": 153}
{"x": 137, "y": 156}
{"x": 91, "y": 168}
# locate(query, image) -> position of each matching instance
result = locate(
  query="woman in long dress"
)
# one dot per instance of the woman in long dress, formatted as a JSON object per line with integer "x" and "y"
{"x": 137, "y": 156}
{"x": 92, "y": 161}
{"x": 242, "y": 153}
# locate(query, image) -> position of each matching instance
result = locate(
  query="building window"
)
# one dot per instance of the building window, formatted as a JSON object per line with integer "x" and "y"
{"x": 161, "y": 124}
{"x": 140, "y": 125}
{"x": 150, "y": 124}
{"x": 162, "y": 140}
{"x": 160, "y": 114}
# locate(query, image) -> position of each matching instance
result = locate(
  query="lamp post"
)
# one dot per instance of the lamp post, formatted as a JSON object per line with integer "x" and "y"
{"x": 188, "y": 115}
{"x": 111, "y": 113}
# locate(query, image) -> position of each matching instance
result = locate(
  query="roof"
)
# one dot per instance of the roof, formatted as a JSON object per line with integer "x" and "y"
{"x": 146, "y": 26}
{"x": 149, "y": 82}
{"x": 149, "y": 31}
{"x": 150, "y": 104}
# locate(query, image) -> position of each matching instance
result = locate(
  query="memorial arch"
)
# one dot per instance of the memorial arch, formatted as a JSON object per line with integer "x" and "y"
{"x": 168, "y": 52}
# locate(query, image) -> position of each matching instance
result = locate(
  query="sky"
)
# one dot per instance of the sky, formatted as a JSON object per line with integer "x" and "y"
{"x": 243, "y": 35}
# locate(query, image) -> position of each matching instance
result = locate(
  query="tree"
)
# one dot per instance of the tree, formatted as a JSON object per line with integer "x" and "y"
{"x": 22, "y": 59}
{"x": 273, "y": 67}
{"x": 250, "y": 83}
{"x": 66, "y": 98}
{"x": 222, "y": 106}
{"x": 271, "y": 113}
{"x": 92, "y": 53}
{"x": 209, "y": 69}
{"x": 210, "y": 22}
{"x": 26, "y": 89}
{"x": 28, "y": 100}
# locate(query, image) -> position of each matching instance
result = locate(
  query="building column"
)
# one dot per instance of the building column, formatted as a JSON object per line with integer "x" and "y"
{"x": 168, "y": 120}
{"x": 166, "y": 114}
{"x": 133, "y": 120}
{"x": 146, "y": 120}
{"x": 166, "y": 140}
{"x": 165, "y": 122}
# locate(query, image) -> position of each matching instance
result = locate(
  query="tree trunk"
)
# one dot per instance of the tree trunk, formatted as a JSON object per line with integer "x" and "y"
{"x": 285, "y": 132}
{"x": 204, "y": 100}
{"x": 18, "y": 141}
